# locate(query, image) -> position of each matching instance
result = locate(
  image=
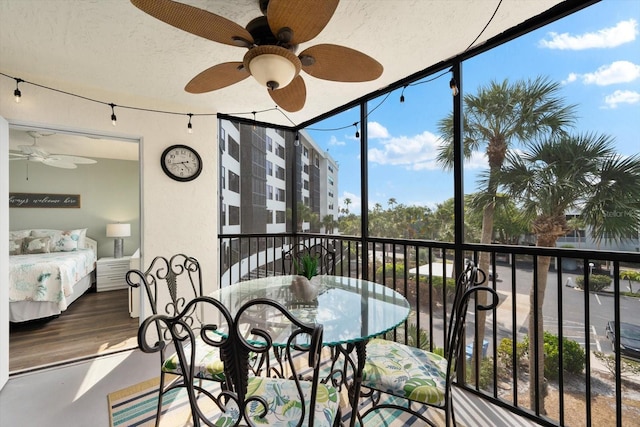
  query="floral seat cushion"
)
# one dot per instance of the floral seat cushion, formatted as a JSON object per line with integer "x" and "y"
{"x": 207, "y": 360}
{"x": 283, "y": 402}
{"x": 405, "y": 371}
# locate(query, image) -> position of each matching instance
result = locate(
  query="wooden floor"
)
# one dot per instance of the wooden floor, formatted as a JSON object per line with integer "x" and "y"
{"x": 96, "y": 323}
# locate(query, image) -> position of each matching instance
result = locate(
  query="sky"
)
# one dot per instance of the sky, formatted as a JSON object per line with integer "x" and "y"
{"x": 594, "y": 54}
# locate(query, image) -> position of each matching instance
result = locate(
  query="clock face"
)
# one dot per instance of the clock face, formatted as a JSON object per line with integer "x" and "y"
{"x": 181, "y": 163}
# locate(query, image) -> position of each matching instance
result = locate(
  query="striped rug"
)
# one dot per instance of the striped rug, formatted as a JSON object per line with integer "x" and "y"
{"x": 136, "y": 406}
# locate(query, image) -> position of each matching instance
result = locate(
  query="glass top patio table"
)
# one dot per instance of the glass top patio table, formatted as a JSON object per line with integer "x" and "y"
{"x": 350, "y": 310}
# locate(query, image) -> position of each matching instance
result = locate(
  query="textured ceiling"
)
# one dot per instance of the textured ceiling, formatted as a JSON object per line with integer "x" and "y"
{"x": 110, "y": 50}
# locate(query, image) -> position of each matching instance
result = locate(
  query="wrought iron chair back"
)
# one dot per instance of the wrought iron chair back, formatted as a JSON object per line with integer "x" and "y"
{"x": 325, "y": 254}
{"x": 183, "y": 336}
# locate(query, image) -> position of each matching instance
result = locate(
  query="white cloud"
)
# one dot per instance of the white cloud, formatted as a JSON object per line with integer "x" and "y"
{"x": 622, "y": 97}
{"x": 623, "y": 32}
{"x": 334, "y": 141}
{"x": 376, "y": 130}
{"x": 616, "y": 72}
{"x": 416, "y": 152}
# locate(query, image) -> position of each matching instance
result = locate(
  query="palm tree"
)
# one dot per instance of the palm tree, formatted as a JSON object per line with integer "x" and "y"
{"x": 560, "y": 174}
{"x": 500, "y": 116}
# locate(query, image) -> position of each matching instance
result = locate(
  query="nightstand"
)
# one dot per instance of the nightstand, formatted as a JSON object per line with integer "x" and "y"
{"x": 110, "y": 273}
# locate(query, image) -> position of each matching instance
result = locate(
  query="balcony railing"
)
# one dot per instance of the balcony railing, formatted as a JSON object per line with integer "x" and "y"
{"x": 589, "y": 390}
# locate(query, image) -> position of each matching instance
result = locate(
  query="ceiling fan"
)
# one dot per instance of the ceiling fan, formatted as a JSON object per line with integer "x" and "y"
{"x": 33, "y": 153}
{"x": 272, "y": 41}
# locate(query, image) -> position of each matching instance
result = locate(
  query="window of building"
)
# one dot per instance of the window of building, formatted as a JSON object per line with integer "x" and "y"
{"x": 223, "y": 214}
{"x": 305, "y": 184}
{"x": 269, "y": 192}
{"x": 269, "y": 168}
{"x": 280, "y": 195}
{"x": 269, "y": 216}
{"x": 269, "y": 144}
{"x": 234, "y": 215}
{"x": 305, "y": 169}
{"x": 223, "y": 139}
{"x": 305, "y": 152}
{"x": 280, "y": 173}
{"x": 223, "y": 177}
{"x": 281, "y": 218}
{"x": 330, "y": 181}
{"x": 279, "y": 150}
{"x": 234, "y": 182}
{"x": 330, "y": 167}
{"x": 234, "y": 149}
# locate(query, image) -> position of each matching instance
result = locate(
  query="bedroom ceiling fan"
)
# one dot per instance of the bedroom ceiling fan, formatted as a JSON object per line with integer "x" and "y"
{"x": 272, "y": 41}
{"x": 33, "y": 153}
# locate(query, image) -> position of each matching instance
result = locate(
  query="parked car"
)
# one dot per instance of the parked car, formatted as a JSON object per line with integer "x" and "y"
{"x": 629, "y": 338}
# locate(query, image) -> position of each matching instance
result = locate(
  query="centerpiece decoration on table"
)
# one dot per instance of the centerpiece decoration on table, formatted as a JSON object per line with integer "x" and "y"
{"x": 305, "y": 268}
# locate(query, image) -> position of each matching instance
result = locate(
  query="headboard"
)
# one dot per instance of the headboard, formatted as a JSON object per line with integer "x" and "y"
{"x": 89, "y": 243}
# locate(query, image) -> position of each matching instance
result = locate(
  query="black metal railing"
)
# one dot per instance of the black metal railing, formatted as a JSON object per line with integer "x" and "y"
{"x": 573, "y": 334}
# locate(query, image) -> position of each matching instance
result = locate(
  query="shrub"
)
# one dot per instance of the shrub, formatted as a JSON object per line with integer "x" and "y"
{"x": 505, "y": 352}
{"x": 573, "y": 358}
{"x": 597, "y": 282}
{"x": 388, "y": 270}
{"x": 422, "y": 341}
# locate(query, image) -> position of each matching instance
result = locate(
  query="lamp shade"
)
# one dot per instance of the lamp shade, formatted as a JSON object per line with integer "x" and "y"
{"x": 272, "y": 66}
{"x": 118, "y": 230}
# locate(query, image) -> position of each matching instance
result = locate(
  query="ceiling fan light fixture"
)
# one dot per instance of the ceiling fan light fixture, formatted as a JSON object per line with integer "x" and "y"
{"x": 273, "y": 67}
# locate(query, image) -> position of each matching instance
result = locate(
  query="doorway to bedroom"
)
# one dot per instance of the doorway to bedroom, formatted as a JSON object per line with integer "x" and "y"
{"x": 66, "y": 189}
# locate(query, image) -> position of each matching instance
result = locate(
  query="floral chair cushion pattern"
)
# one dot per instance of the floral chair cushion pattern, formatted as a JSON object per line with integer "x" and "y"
{"x": 208, "y": 363}
{"x": 283, "y": 402}
{"x": 405, "y": 371}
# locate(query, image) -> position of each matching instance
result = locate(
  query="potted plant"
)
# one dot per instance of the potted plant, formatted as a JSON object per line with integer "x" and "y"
{"x": 305, "y": 268}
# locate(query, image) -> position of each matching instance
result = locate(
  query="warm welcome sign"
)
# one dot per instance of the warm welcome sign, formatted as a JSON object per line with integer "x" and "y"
{"x": 43, "y": 200}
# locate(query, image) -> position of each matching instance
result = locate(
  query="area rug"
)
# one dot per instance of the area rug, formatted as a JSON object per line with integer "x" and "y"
{"x": 136, "y": 406}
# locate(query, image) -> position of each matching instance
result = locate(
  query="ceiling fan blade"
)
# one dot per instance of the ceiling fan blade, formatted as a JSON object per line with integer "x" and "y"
{"x": 58, "y": 163}
{"x": 217, "y": 77}
{"x": 292, "y": 96}
{"x": 33, "y": 150}
{"x": 195, "y": 21}
{"x": 340, "y": 64}
{"x": 306, "y": 18}
{"x": 75, "y": 159}
{"x": 18, "y": 156}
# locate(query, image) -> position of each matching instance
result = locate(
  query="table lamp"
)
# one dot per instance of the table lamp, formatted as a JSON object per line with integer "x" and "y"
{"x": 118, "y": 231}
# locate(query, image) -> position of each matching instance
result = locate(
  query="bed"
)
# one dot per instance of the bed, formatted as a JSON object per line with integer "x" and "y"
{"x": 48, "y": 270}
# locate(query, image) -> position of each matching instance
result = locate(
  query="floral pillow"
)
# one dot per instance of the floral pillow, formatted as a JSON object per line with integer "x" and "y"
{"x": 15, "y": 246}
{"x": 36, "y": 245}
{"x": 63, "y": 240}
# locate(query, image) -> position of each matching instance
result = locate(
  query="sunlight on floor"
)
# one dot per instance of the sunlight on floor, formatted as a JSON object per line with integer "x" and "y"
{"x": 98, "y": 369}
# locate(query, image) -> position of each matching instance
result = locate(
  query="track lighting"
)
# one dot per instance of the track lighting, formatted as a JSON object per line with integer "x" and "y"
{"x": 357, "y": 132}
{"x": 114, "y": 119}
{"x": 454, "y": 87}
{"x": 17, "y": 92}
{"x": 402, "y": 94}
{"x": 189, "y": 126}
{"x": 296, "y": 141}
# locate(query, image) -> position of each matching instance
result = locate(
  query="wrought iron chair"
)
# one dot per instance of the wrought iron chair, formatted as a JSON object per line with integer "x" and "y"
{"x": 420, "y": 376}
{"x": 297, "y": 396}
{"x": 325, "y": 254}
{"x": 180, "y": 331}
{"x": 286, "y": 400}
{"x": 177, "y": 280}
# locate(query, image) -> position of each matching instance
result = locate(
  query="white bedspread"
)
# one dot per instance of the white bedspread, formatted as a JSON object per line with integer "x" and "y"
{"x": 48, "y": 277}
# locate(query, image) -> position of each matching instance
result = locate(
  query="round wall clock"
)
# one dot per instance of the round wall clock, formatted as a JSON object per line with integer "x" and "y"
{"x": 181, "y": 163}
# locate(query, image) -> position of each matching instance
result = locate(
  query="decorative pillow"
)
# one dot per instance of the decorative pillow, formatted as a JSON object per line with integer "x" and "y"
{"x": 15, "y": 246}
{"x": 63, "y": 240}
{"x": 36, "y": 245}
{"x": 19, "y": 234}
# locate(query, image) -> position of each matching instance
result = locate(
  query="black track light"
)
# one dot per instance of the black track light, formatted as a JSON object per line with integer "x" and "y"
{"x": 17, "y": 92}
{"x": 189, "y": 126}
{"x": 454, "y": 87}
{"x": 114, "y": 119}
{"x": 357, "y": 131}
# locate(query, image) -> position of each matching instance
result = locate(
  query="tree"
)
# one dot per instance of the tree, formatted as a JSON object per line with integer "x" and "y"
{"x": 498, "y": 117}
{"x": 559, "y": 174}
